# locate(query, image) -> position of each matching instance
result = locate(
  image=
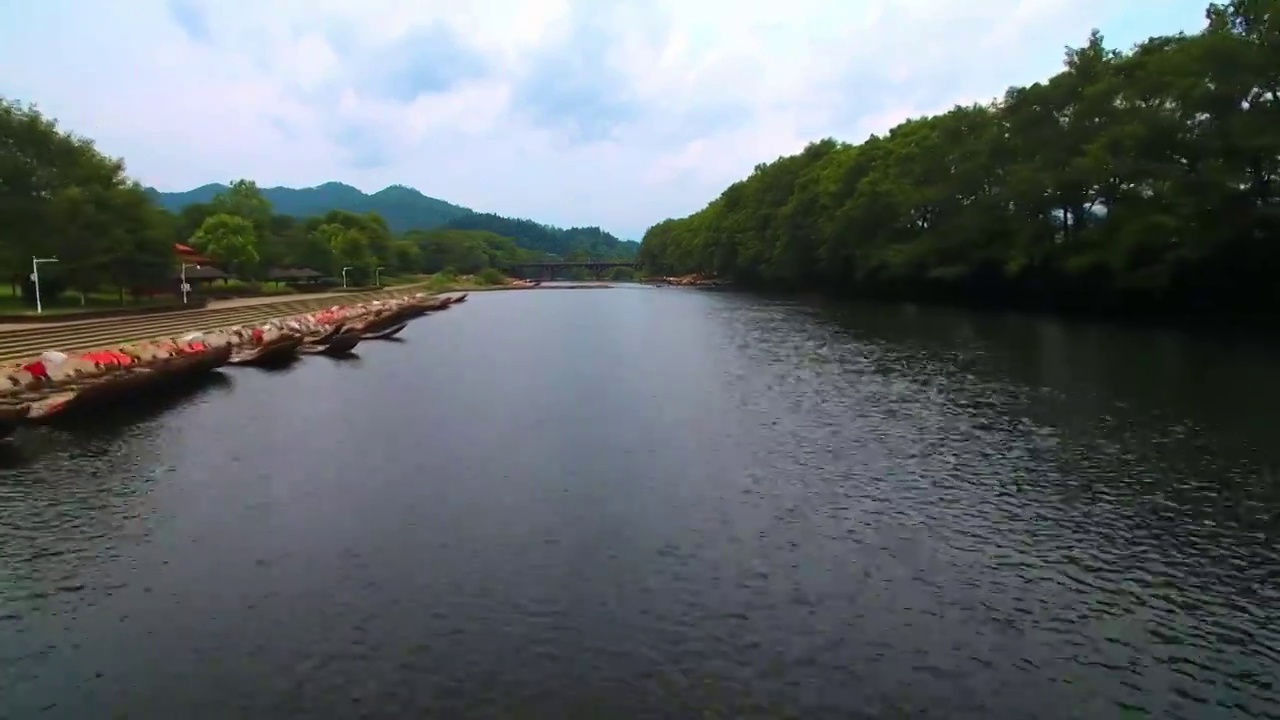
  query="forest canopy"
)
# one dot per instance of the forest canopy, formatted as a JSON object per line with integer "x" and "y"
{"x": 1145, "y": 178}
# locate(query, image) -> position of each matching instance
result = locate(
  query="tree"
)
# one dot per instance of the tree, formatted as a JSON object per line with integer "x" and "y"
{"x": 406, "y": 257}
{"x": 466, "y": 251}
{"x": 76, "y": 222}
{"x": 547, "y": 239}
{"x": 189, "y": 220}
{"x": 137, "y": 252}
{"x": 229, "y": 241}
{"x": 310, "y": 250}
{"x": 243, "y": 199}
{"x": 60, "y": 197}
{"x": 348, "y": 248}
{"x": 1129, "y": 181}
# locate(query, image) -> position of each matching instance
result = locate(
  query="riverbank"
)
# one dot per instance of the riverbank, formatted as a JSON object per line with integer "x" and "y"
{"x": 29, "y": 340}
{"x": 26, "y": 321}
{"x": 1257, "y": 323}
{"x": 47, "y": 386}
{"x": 693, "y": 280}
{"x": 53, "y": 368}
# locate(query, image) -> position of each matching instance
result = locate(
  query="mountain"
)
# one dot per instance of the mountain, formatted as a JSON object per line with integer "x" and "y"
{"x": 549, "y": 239}
{"x": 406, "y": 209}
{"x": 403, "y": 208}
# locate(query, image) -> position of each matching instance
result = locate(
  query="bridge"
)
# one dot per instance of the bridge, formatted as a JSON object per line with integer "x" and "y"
{"x": 549, "y": 268}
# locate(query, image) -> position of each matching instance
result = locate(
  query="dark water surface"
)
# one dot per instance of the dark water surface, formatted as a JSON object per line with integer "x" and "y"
{"x": 665, "y": 503}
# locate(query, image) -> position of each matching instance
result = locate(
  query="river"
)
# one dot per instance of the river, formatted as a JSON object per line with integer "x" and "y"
{"x": 665, "y": 502}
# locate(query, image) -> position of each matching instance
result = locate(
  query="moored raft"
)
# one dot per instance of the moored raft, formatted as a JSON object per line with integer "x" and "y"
{"x": 385, "y": 334}
{"x": 327, "y": 336}
{"x": 57, "y": 383}
{"x": 267, "y": 347}
{"x": 336, "y": 346}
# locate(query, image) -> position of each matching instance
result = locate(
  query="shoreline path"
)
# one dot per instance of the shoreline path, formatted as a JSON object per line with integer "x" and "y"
{"x": 24, "y": 340}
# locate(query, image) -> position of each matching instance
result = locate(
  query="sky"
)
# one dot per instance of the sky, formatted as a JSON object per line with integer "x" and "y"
{"x": 614, "y": 113}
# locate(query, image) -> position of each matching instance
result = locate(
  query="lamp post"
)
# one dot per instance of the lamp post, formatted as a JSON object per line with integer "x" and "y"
{"x": 377, "y": 279}
{"x": 344, "y": 274}
{"x": 183, "y": 273}
{"x": 35, "y": 278}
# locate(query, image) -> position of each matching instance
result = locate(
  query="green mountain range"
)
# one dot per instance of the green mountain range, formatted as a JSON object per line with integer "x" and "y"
{"x": 406, "y": 209}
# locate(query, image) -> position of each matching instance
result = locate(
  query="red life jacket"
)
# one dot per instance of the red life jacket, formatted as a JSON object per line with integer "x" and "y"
{"x": 37, "y": 369}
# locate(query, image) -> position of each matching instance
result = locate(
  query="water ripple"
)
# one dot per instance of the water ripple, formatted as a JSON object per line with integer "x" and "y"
{"x": 667, "y": 504}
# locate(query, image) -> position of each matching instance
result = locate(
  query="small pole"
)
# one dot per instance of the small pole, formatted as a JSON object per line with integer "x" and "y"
{"x": 35, "y": 278}
{"x": 183, "y": 280}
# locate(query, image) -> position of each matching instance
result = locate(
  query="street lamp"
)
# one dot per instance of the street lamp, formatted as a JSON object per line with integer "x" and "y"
{"x": 183, "y": 273}
{"x": 35, "y": 277}
{"x": 377, "y": 281}
{"x": 344, "y": 274}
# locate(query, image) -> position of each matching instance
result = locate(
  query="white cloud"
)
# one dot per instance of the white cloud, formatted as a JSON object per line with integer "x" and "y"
{"x": 675, "y": 100}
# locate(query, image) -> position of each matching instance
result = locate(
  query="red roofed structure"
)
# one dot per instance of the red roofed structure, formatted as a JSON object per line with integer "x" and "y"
{"x": 188, "y": 254}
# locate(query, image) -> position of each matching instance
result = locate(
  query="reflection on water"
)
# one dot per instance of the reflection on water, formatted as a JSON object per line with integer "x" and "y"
{"x": 70, "y": 495}
{"x": 666, "y": 503}
{"x": 85, "y": 433}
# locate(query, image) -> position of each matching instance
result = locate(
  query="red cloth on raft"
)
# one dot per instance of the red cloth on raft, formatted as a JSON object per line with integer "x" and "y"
{"x": 37, "y": 369}
{"x": 108, "y": 357}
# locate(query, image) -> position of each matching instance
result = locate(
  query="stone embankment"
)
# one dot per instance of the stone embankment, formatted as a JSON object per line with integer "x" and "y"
{"x": 88, "y": 363}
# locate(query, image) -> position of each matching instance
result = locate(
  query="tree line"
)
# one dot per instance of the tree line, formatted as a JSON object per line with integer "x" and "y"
{"x": 60, "y": 197}
{"x": 593, "y": 242}
{"x": 406, "y": 209}
{"x": 1131, "y": 180}
{"x": 239, "y": 231}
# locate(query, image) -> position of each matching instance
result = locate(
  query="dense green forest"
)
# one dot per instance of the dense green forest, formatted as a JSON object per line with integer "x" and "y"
{"x": 405, "y": 209}
{"x": 1134, "y": 180}
{"x": 591, "y": 241}
{"x": 60, "y": 197}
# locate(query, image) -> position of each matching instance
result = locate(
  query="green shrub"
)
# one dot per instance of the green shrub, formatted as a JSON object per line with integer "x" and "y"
{"x": 491, "y": 276}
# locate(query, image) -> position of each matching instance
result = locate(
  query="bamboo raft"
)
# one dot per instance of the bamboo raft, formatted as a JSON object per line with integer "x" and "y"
{"x": 126, "y": 381}
{"x": 386, "y": 334}
{"x": 337, "y": 345}
{"x": 275, "y": 351}
{"x": 70, "y": 384}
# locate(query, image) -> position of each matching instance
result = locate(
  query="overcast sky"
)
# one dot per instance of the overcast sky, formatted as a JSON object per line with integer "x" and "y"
{"x": 610, "y": 113}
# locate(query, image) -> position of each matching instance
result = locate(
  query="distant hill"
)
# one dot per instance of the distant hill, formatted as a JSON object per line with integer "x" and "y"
{"x": 403, "y": 208}
{"x": 549, "y": 239}
{"x": 406, "y": 209}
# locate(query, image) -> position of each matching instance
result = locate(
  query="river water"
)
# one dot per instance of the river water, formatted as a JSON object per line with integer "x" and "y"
{"x": 650, "y": 502}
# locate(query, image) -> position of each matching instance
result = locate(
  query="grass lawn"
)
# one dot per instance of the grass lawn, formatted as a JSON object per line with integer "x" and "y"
{"x": 69, "y": 302}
